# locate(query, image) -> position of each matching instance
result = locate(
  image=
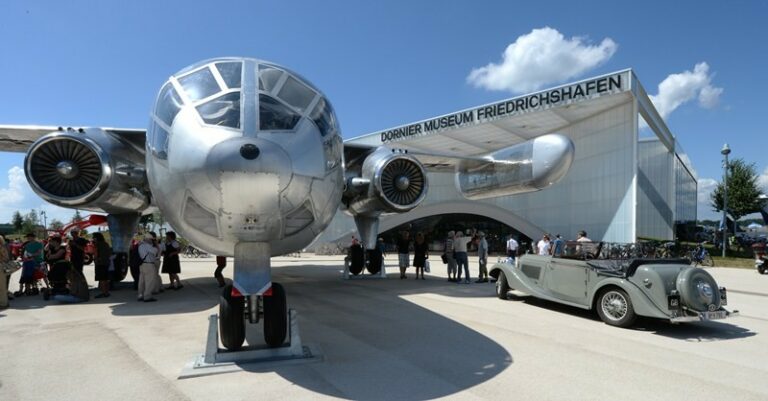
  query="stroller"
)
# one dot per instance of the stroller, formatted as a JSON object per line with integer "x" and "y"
{"x": 31, "y": 274}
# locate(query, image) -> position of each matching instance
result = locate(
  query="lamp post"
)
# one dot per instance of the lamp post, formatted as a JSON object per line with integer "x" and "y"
{"x": 45, "y": 221}
{"x": 725, "y": 151}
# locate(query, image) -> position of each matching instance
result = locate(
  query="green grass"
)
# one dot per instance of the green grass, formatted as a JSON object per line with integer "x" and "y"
{"x": 730, "y": 261}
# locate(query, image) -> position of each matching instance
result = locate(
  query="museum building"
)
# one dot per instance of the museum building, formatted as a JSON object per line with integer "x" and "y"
{"x": 630, "y": 178}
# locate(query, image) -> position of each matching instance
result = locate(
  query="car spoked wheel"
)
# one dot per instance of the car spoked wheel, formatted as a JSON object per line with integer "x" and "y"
{"x": 615, "y": 308}
{"x": 502, "y": 287}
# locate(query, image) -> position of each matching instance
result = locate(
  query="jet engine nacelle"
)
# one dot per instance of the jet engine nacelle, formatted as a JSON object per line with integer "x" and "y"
{"x": 89, "y": 169}
{"x": 387, "y": 182}
{"x": 526, "y": 167}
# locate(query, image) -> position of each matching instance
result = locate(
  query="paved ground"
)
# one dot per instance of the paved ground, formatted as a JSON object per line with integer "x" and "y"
{"x": 385, "y": 339}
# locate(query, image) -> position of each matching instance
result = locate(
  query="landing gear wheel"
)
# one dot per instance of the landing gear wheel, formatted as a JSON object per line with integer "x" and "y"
{"x": 356, "y": 259}
{"x": 502, "y": 287}
{"x": 275, "y": 317}
{"x": 374, "y": 262}
{"x": 615, "y": 308}
{"x": 231, "y": 319}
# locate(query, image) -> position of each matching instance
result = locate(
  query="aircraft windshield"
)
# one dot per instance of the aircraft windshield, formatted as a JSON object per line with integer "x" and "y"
{"x": 168, "y": 104}
{"x": 199, "y": 84}
{"x": 268, "y": 78}
{"x": 231, "y": 73}
{"x": 275, "y": 115}
{"x": 296, "y": 94}
{"x": 222, "y": 111}
{"x": 323, "y": 116}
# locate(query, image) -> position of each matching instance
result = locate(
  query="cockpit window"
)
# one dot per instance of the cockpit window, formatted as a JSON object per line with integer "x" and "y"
{"x": 168, "y": 104}
{"x": 222, "y": 111}
{"x": 323, "y": 116}
{"x": 296, "y": 94}
{"x": 159, "y": 142}
{"x": 274, "y": 115}
{"x": 231, "y": 73}
{"x": 268, "y": 77}
{"x": 200, "y": 84}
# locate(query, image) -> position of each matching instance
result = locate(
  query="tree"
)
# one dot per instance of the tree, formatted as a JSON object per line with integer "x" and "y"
{"x": 17, "y": 221}
{"x": 31, "y": 222}
{"x": 56, "y": 224}
{"x": 77, "y": 217}
{"x": 743, "y": 190}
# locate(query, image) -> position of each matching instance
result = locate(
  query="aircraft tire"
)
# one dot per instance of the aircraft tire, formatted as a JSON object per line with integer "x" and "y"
{"x": 374, "y": 262}
{"x": 356, "y": 259}
{"x": 275, "y": 317}
{"x": 231, "y": 319}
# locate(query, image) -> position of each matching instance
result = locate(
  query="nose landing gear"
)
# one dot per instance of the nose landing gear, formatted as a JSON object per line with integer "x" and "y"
{"x": 235, "y": 309}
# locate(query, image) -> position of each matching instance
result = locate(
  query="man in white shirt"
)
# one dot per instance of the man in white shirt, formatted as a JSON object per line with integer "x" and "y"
{"x": 148, "y": 273}
{"x": 543, "y": 245}
{"x": 511, "y": 250}
{"x": 460, "y": 250}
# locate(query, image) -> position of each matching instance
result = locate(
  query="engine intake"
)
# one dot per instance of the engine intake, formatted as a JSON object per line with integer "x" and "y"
{"x": 401, "y": 182}
{"x": 66, "y": 169}
{"x": 89, "y": 169}
{"x": 387, "y": 182}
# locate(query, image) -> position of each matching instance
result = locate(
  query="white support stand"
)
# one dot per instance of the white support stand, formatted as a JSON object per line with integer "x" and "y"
{"x": 362, "y": 276}
{"x": 216, "y": 360}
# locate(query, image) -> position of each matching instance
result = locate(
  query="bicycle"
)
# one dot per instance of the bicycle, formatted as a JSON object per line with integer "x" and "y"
{"x": 700, "y": 256}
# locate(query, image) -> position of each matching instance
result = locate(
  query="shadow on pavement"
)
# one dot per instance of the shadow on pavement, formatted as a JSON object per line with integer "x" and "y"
{"x": 198, "y": 294}
{"x": 376, "y": 344}
{"x": 697, "y": 331}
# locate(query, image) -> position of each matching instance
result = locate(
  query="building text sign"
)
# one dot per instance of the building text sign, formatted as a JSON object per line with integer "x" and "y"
{"x": 538, "y": 101}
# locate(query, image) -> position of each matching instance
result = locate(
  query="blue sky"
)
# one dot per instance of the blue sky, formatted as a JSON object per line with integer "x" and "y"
{"x": 100, "y": 63}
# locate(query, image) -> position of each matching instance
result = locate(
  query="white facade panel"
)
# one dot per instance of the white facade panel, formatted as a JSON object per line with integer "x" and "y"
{"x": 655, "y": 191}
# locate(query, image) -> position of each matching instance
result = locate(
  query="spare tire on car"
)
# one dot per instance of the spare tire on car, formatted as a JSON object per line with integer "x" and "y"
{"x": 698, "y": 290}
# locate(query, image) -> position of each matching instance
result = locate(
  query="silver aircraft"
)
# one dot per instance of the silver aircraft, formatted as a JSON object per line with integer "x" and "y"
{"x": 245, "y": 158}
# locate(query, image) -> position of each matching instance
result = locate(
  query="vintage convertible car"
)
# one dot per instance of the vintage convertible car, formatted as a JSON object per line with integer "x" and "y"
{"x": 619, "y": 289}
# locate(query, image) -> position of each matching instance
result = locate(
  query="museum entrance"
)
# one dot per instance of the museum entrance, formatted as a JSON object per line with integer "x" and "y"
{"x": 436, "y": 227}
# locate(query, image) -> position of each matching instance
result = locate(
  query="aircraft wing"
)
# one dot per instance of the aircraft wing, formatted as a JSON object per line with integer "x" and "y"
{"x": 434, "y": 162}
{"x": 18, "y": 138}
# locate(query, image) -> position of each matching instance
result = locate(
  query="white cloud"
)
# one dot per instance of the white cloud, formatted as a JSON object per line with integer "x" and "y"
{"x": 18, "y": 196}
{"x": 541, "y": 57}
{"x": 678, "y": 89}
{"x": 762, "y": 181}
{"x": 705, "y": 188}
{"x": 15, "y": 191}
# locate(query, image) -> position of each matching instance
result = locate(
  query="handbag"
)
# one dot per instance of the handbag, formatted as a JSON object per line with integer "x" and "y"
{"x": 426, "y": 266}
{"x": 444, "y": 257}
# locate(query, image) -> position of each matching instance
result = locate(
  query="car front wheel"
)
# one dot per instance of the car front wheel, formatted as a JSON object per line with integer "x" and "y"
{"x": 615, "y": 308}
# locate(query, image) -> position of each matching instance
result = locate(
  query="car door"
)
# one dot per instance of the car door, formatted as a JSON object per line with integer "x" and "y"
{"x": 567, "y": 279}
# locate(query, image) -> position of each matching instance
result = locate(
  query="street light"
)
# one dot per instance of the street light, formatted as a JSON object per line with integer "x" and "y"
{"x": 725, "y": 152}
{"x": 45, "y": 221}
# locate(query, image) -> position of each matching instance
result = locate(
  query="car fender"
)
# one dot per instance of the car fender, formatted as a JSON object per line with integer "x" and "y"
{"x": 640, "y": 301}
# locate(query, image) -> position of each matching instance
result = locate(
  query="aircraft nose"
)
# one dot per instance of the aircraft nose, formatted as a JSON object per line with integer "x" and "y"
{"x": 247, "y": 159}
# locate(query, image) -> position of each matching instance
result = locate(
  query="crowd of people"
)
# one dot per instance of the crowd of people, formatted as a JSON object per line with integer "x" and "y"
{"x": 455, "y": 252}
{"x": 54, "y": 266}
